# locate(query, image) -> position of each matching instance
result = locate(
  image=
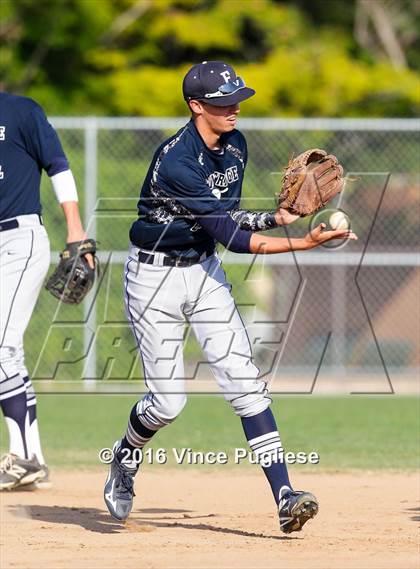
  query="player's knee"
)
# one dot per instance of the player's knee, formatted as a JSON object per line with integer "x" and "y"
{"x": 20, "y": 362}
{"x": 7, "y": 354}
{"x": 250, "y": 404}
{"x": 8, "y": 362}
{"x": 171, "y": 406}
{"x": 159, "y": 410}
{"x": 11, "y": 380}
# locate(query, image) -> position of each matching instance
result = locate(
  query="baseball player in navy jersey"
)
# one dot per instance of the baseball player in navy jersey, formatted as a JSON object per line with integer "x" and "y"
{"x": 190, "y": 200}
{"x": 28, "y": 145}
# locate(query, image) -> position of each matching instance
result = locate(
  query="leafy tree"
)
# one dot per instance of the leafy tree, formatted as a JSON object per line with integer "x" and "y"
{"x": 129, "y": 56}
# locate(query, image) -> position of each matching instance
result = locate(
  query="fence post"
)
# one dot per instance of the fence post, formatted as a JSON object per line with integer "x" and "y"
{"x": 89, "y": 311}
{"x": 338, "y": 319}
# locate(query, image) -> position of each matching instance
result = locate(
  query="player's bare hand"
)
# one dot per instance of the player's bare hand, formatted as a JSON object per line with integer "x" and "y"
{"x": 77, "y": 235}
{"x": 91, "y": 262}
{"x": 284, "y": 217}
{"x": 318, "y": 235}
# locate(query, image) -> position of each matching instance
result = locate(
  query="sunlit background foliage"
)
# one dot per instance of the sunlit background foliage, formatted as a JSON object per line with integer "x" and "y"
{"x": 127, "y": 57}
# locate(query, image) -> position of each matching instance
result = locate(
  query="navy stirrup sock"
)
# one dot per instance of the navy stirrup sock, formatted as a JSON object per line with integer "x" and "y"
{"x": 264, "y": 439}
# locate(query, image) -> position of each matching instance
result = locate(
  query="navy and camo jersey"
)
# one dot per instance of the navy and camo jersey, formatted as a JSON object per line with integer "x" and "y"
{"x": 28, "y": 145}
{"x": 186, "y": 180}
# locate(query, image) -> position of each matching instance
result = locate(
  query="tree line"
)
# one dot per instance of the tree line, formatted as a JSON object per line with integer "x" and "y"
{"x": 127, "y": 57}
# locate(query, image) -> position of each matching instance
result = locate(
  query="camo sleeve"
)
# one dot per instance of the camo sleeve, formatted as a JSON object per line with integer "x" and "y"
{"x": 253, "y": 220}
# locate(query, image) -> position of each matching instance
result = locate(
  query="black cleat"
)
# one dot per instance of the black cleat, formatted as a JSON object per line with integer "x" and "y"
{"x": 295, "y": 509}
{"x": 118, "y": 491}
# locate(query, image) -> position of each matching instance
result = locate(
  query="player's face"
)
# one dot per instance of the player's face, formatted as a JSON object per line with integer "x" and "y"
{"x": 220, "y": 119}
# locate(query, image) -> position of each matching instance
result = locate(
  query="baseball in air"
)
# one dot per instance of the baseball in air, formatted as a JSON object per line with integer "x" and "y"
{"x": 339, "y": 220}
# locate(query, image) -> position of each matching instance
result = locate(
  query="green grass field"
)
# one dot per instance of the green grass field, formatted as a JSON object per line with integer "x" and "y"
{"x": 370, "y": 432}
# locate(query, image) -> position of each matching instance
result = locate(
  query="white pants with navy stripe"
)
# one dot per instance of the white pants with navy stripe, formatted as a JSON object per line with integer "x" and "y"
{"x": 24, "y": 262}
{"x": 159, "y": 302}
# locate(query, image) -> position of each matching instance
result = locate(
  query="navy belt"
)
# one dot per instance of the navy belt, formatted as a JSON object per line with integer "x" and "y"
{"x": 10, "y": 224}
{"x": 13, "y": 224}
{"x": 167, "y": 261}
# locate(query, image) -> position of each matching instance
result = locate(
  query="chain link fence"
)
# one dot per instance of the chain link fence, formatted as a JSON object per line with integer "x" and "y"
{"x": 347, "y": 309}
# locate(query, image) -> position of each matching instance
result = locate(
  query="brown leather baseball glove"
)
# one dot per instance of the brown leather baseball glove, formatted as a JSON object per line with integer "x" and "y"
{"x": 310, "y": 181}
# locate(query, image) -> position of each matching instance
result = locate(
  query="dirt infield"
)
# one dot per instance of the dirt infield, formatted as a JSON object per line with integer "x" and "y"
{"x": 212, "y": 519}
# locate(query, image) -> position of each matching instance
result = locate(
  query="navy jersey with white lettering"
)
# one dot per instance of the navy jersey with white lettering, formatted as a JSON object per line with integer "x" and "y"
{"x": 28, "y": 145}
{"x": 186, "y": 181}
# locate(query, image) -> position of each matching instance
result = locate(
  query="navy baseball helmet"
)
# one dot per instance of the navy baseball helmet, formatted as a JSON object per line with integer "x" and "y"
{"x": 215, "y": 83}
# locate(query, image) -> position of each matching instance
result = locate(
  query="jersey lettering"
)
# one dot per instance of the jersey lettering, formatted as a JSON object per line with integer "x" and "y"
{"x": 222, "y": 180}
{"x": 2, "y": 137}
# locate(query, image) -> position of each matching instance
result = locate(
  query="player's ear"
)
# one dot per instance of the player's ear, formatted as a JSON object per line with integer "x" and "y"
{"x": 196, "y": 107}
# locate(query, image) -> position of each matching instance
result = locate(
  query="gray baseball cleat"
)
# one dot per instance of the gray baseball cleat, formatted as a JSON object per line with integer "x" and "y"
{"x": 43, "y": 482}
{"x": 16, "y": 471}
{"x": 118, "y": 491}
{"x": 295, "y": 509}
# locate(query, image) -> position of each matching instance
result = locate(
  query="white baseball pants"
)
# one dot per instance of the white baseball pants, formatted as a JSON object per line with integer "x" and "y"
{"x": 159, "y": 302}
{"x": 24, "y": 262}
